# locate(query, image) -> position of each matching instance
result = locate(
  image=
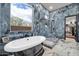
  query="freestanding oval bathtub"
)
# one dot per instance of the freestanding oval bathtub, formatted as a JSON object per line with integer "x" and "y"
{"x": 23, "y": 43}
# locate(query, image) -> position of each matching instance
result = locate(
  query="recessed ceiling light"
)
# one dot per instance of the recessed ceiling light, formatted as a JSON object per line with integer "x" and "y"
{"x": 50, "y": 7}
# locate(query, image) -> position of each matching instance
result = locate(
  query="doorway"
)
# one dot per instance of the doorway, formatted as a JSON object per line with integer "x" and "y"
{"x": 70, "y": 28}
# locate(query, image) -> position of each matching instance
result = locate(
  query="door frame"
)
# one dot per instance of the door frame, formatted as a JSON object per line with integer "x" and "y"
{"x": 65, "y": 24}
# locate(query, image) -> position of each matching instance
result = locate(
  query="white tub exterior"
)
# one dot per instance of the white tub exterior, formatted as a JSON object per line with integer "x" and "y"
{"x": 24, "y": 43}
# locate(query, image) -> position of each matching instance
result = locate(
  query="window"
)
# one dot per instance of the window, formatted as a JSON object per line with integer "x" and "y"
{"x": 21, "y": 17}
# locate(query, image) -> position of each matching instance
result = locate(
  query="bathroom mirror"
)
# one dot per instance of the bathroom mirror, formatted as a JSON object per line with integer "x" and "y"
{"x": 21, "y": 17}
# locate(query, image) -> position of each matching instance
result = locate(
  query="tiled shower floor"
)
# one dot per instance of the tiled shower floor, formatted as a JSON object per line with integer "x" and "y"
{"x": 68, "y": 47}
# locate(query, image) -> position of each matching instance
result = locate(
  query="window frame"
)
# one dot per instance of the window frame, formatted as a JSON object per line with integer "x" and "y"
{"x": 21, "y": 29}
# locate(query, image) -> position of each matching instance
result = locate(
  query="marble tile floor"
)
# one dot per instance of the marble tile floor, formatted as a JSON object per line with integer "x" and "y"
{"x": 68, "y": 47}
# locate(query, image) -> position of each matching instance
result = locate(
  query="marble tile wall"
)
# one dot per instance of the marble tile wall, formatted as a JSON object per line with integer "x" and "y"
{"x": 0, "y": 21}
{"x": 38, "y": 25}
{"x": 59, "y": 16}
{"x": 48, "y": 24}
{"x": 54, "y": 25}
{"x": 40, "y": 20}
{"x": 4, "y": 19}
{"x": 45, "y": 23}
{"x": 5, "y": 23}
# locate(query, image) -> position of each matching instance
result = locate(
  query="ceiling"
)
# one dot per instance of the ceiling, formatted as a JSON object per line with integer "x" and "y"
{"x": 54, "y": 6}
{"x": 71, "y": 19}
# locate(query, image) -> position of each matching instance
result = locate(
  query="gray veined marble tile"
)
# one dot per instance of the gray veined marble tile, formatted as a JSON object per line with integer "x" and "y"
{"x": 67, "y": 48}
